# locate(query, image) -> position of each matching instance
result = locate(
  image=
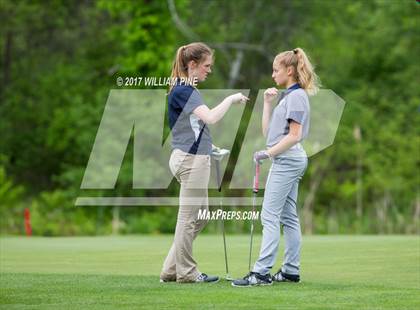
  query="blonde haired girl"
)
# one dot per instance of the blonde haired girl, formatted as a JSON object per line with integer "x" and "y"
{"x": 285, "y": 128}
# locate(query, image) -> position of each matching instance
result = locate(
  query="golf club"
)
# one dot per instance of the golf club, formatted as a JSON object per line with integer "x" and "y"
{"x": 218, "y": 155}
{"x": 254, "y": 198}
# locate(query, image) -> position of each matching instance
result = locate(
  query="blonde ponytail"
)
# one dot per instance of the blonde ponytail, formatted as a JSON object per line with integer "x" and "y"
{"x": 194, "y": 51}
{"x": 304, "y": 72}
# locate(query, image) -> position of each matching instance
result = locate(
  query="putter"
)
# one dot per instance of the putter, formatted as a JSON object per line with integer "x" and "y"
{"x": 254, "y": 202}
{"x": 218, "y": 155}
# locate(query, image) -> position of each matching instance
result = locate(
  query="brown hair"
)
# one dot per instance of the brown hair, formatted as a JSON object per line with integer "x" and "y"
{"x": 304, "y": 72}
{"x": 194, "y": 51}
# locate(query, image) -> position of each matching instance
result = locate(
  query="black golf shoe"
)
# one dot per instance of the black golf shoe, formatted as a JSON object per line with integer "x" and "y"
{"x": 285, "y": 277}
{"x": 253, "y": 279}
{"x": 203, "y": 278}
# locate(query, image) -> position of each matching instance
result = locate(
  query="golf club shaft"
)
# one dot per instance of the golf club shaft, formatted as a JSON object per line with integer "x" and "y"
{"x": 219, "y": 185}
{"x": 254, "y": 202}
{"x": 224, "y": 243}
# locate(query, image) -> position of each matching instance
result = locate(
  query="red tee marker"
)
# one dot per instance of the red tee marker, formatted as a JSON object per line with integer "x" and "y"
{"x": 28, "y": 228}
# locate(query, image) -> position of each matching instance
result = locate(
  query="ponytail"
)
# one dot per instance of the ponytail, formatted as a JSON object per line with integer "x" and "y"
{"x": 304, "y": 72}
{"x": 193, "y": 51}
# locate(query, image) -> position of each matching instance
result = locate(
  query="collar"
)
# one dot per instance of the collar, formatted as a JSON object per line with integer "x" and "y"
{"x": 292, "y": 88}
{"x": 289, "y": 90}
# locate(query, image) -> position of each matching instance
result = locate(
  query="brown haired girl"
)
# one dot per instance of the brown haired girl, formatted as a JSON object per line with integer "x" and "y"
{"x": 190, "y": 158}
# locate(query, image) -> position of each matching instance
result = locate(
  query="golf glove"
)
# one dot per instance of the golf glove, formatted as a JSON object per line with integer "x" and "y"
{"x": 260, "y": 156}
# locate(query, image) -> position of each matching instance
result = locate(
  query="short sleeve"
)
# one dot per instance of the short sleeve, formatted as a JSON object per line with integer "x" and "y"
{"x": 296, "y": 108}
{"x": 189, "y": 101}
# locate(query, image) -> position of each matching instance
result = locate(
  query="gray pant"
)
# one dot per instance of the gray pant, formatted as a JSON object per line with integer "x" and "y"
{"x": 279, "y": 208}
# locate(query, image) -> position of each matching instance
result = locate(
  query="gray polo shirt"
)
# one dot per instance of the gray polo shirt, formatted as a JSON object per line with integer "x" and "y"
{"x": 293, "y": 105}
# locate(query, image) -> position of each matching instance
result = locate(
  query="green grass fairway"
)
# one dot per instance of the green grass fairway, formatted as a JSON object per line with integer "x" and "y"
{"x": 338, "y": 272}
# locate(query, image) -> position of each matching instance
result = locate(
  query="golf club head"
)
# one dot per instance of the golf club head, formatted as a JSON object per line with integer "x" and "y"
{"x": 218, "y": 153}
{"x": 229, "y": 278}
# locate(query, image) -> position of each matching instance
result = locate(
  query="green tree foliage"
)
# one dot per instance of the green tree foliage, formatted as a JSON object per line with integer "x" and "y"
{"x": 59, "y": 59}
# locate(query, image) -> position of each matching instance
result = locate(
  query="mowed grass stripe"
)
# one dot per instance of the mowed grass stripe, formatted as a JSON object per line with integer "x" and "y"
{"x": 338, "y": 272}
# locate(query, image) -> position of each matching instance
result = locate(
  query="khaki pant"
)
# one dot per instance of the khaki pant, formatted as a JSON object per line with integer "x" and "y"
{"x": 193, "y": 173}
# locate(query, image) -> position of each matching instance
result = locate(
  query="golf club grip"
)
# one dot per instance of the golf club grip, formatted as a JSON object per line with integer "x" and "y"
{"x": 256, "y": 178}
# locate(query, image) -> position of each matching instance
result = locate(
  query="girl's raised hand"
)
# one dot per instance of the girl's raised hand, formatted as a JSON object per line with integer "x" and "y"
{"x": 270, "y": 94}
{"x": 238, "y": 98}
